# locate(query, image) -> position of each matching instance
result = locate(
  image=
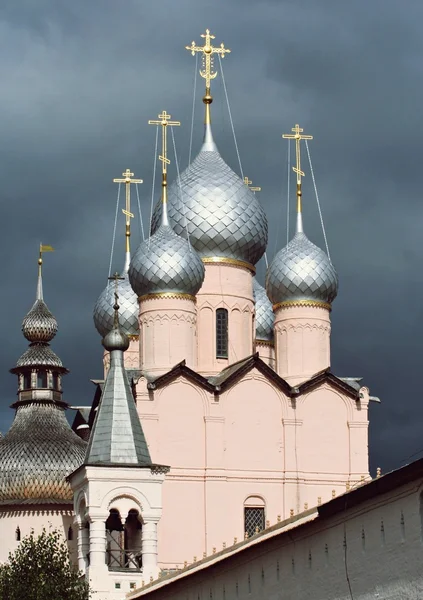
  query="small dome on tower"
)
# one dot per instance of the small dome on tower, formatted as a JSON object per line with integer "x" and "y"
{"x": 265, "y": 317}
{"x": 301, "y": 271}
{"x": 128, "y": 301}
{"x": 222, "y": 215}
{"x": 166, "y": 263}
{"x": 39, "y": 325}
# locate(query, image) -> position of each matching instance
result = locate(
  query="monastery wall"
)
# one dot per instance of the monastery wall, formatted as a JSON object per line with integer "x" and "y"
{"x": 28, "y": 520}
{"x": 372, "y": 550}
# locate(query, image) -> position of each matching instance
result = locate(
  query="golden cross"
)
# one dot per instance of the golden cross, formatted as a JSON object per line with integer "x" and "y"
{"x": 127, "y": 180}
{"x": 297, "y": 136}
{"x": 248, "y": 183}
{"x": 164, "y": 122}
{"x": 208, "y": 73}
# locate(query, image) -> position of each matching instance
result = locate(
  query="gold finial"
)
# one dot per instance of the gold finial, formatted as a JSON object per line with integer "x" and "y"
{"x": 214, "y": 550}
{"x": 195, "y": 559}
{"x": 208, "y": 72}
{"x": 127, "y": 180}
{"x": 378, "y": 472}
{"x": 164, "y": 121}
{"x": 305, "y": 505}
{"x": 298, "y": 136}
{"x": 246, "y": 535}
{"x": 279, "y": 518}
{"x": 235, "y": 540}
{"x": 248, "y": 183}
{"x": 291, "y": 512}
{"x": 333, "y": 493}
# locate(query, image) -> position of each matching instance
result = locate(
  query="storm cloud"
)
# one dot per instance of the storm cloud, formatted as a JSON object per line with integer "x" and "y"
{"x": 80, "y": 80}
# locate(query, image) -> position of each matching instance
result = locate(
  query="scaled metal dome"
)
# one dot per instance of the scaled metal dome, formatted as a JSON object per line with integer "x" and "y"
{"x": 128, "y": 301}
{"x": 223, "y": 217}
{"x": 37, "y": 454}
{"x": 39, "y": 325}
{"x": 166, "y": 263}
{"x": 265, "y": 317}
{"x": 301, "y": 271}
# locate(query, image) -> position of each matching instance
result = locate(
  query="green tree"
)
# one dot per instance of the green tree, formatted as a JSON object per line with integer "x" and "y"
{"x": 40, "y": 569}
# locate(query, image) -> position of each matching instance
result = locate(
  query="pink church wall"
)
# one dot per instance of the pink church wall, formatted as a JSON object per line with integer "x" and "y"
{"x": 167, "y": 333}
{"x": 266, "y": 352}
{"x": 230, "y": 287}
{"x": 302, "y": 342}
{"x": 250, "y": 441}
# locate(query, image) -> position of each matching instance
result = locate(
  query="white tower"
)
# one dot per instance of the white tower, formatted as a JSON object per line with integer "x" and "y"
{"x": 117, "y": 490}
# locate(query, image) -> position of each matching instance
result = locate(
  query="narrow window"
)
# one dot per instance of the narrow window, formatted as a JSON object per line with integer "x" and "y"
{"x": 27, "y": 381}
{"x": 249, "y": 584}
{"x": 42, "y": 379}
{"x": 55, "y": 381}
{"x": 402, "y": 527}
{"x": 277, "y": 571}
{"x": 221, "y": 333}
{"x": 253, "y": 519}
{"x": 70, "y": 534}
{"x": 18, "y": 534}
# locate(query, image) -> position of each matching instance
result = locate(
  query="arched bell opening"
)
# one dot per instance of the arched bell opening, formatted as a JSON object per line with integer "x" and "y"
{"x": 124, "y": 541}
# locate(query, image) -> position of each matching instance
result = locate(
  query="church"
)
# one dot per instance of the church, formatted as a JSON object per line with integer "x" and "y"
{"x": 218, "y": 416}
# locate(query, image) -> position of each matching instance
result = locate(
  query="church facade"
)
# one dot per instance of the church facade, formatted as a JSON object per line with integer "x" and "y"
{"x": 218, "y": 413}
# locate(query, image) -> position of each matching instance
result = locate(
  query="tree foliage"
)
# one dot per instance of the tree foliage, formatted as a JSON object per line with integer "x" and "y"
{"x": 40, "y": 569}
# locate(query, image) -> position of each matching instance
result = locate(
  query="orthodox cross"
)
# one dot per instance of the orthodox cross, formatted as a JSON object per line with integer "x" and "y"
{"x": 208, "y": 73}
{"x": 248, "y": 183}
{"x": 127, "y": 180}
{"x": 116, "y": 278}
{"x": 164, "y": 121}
{"x": 297, "y": 135}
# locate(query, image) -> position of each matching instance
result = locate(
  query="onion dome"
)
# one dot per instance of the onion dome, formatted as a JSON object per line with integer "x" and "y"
{"x": 39, "y": 325}
{"x": 165, "y": 263}
{"x": 223, "y": 217}
{"x": 265, "y": 317}
{"x": 116, "y": 339}
{"x": 103, "y": 309}
{"x": 301, "y": 272}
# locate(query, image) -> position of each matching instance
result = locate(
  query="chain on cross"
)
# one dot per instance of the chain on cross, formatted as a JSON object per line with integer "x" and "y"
{"x": 116, "y": 278}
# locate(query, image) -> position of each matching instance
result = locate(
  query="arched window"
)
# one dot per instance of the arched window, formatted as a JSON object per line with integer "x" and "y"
{"x": 70, "y": 534}
{"x": 27, "y": 381}
{"x": 42, "y": 379}
{"x": 18, "y": 534}
{"x": 221, "y": 333}
{"x": 254, "y": 515}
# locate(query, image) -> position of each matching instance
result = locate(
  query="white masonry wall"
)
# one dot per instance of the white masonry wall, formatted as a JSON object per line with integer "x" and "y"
{"x": 373, "y": 550}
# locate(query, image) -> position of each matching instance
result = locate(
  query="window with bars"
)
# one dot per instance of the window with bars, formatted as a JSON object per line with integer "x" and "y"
{"x": 253, "y": 519}
{"x": 221, "y": 333}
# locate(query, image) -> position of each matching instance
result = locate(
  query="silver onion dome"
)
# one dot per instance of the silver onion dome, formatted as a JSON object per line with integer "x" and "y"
{"x": 301, "y": 271}
{"x": 39, "y": 325}
{"x": 37, "y": 454}
{"x": 166, "y": 263}
{"x": 265, "y": 317}
{"x": 223, "y": 217}
{"x": 128, "y": 314}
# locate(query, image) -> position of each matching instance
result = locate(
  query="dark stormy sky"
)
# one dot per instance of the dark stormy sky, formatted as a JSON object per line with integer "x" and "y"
{"x": 79, "y": 80}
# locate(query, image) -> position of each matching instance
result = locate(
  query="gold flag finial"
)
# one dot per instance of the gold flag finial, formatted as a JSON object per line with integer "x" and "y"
{"x": 43, "y": 248}
{"x": 127, "y": 180}
{"x": 248, "y": 183}
{"x": 164, "y": 121}
{"x": 298, "y": 135}
{"x": 208, "y": 71}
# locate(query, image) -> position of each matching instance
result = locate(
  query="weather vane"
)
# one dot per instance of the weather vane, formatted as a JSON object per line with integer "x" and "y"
{"x": 298, "y": 136}
{"x": 127, "y": 180}
{"x": 208, "y": 71}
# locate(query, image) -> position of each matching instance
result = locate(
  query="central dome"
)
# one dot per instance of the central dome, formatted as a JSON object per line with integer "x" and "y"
{"x": 223, "y": 217}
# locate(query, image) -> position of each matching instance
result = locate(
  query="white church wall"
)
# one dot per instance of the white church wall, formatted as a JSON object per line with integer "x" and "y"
{"x": 372, "y": 550}
{"x": 20, "y": 522}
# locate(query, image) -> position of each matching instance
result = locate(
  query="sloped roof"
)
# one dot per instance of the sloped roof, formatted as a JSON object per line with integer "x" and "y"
{"x": 229, "y": 376}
